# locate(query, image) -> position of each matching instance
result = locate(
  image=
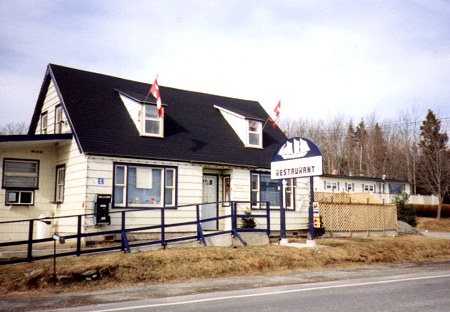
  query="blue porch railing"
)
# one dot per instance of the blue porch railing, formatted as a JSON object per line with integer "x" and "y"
{"x": 31, "y": 244}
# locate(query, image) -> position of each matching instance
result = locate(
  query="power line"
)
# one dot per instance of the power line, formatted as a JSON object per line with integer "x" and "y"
{"x": 383, "y": 126}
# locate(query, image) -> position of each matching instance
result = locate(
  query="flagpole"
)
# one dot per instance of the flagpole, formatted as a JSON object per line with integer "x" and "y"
{"x": 267, "y": 120}
{"x": 146, "y": 97}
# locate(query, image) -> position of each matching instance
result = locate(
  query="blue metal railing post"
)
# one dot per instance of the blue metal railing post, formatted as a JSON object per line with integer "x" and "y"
{"x": 79, "y": 236}
{"x": 312, "y": 232}
{"x": 268, "y": 217}
{"x": 125, "y": 244}
{"x": 282, "y": 211}
{"x": 197, "y": 213}
{"x": 163, "y": 228}
{"x": 233, "y": 215}
{"x": 30, "y": 240}
{"x": 200, "y": 234}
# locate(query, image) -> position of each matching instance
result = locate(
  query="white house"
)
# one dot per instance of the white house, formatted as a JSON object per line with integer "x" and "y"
{"x": 360, "y": 184}
{"x": 96, "y": 137}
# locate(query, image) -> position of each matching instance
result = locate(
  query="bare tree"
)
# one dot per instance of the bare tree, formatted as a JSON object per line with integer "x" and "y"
{"x": 433, "y": 172}
{"x": 14, "y": 128}
{"x": 378, "y": 150}
{"x": 333, "y": 140}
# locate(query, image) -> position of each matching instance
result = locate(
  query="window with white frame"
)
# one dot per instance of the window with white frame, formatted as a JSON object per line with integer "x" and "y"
{"x": 349, "y": 187}
{"x": 255, "y": 189}
{"x": 254, "y": 133}
{"x": 44, "y": 122}
{"x": 331, "y": 186}
{"x": 60, "y": 181}
{"x": 144, "y": 186}
{"x": 20, "y": 174}
{"x": 120, "y": 185}
{"x": 20, "y": 179}
{"x": 290, "y": 188}
{"x": 264, "y": 189}
{"x": 369, "y": 188}
{"x": 226, "y": 190}
{"x": 152, "y": 124}
{"x": 58, "y": 119}
{"x": 169, "y": 188}
{"x": 16, "y": 197}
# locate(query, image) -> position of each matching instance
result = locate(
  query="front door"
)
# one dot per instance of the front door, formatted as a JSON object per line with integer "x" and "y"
{"x": 209, "y": 208}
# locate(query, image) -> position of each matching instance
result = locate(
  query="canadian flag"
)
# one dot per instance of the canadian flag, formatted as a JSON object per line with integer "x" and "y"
{"x": 274, "y": 116}
{"x": 154, "y": 90}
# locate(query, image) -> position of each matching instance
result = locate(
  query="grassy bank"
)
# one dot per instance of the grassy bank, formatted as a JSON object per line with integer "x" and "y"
{"x": 431, "y": 224}
{"x": 176, "y": 265}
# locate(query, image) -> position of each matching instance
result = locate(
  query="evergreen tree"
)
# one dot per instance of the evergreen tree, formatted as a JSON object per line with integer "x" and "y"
{"x": 378, "y": 151}
{"x": 405, "y": 211}
{"x": 433, "y": 172}
{"x": 361, "y": 137}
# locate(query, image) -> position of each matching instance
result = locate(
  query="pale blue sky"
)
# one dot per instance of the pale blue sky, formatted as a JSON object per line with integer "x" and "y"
{"x": 321, "y": 58}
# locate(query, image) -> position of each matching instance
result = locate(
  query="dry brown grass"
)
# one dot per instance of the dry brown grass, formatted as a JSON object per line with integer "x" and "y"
{"x": 431, "y": 224}
{"x": 176, "y": 265}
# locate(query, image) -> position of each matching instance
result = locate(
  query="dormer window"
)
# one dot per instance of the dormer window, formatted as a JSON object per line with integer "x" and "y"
{"x": 144, "y": 113}
{"x": 151, "y": 123}
{"x": 254, "y": 133}
{"x": 248, "y": 128}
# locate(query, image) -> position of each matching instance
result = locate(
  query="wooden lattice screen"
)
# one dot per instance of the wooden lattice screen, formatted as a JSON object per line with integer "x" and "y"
{"x": 344, "y": 212}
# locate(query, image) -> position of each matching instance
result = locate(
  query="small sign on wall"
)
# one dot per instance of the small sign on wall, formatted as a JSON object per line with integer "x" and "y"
{"x": 101, "y": 181}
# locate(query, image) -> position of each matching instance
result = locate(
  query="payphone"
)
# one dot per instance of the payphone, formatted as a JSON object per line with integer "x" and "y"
{"x": 102, "y": 203}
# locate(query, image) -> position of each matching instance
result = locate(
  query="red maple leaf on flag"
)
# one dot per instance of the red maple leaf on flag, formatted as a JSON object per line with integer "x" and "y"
{"x": 154, "y": 90}
{"x": 274, "y": 116}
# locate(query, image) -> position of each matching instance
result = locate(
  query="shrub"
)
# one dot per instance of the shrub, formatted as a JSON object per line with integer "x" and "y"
{"x": 248, "y": 222}
{"x": 405, "y": 210}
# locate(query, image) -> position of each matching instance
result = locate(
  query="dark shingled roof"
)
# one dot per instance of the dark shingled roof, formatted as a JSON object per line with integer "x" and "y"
{"x": 194, "y": 130}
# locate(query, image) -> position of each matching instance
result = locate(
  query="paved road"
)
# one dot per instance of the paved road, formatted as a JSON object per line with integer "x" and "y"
{"x": 424, "y": 287}
{"x": 445, "y": 235}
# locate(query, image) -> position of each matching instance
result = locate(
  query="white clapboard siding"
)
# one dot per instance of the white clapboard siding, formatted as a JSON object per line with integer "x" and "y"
{"x": 43, "y": 196}
{"x": 87, "y": 176}
{"x": 189, "y": 192}
{"x": 50, "y": 102}
{"x": 240, "y": 185}
{"x": 74, "y": 187}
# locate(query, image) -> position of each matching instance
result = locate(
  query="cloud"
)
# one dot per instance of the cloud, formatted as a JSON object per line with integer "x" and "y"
{"x": 319, "y": 58}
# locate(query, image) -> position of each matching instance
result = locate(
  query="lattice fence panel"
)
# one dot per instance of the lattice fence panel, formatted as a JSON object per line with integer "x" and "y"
{"x": 348, "y": 213}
